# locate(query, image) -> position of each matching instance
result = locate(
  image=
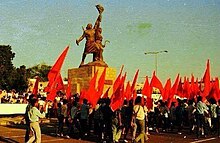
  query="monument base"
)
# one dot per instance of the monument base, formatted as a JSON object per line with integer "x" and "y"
{"x": 95, "y": 63}
{"x": 80, "y": 77}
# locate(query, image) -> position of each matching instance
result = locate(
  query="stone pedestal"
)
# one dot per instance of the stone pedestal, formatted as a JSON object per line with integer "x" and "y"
{"x": 80, "y": 77}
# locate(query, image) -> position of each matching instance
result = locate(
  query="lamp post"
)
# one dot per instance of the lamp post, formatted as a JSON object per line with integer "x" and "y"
{"x": 155, "y": 53}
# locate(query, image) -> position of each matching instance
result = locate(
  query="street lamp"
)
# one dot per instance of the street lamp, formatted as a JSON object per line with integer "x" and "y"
{"x": 155, "y": 54}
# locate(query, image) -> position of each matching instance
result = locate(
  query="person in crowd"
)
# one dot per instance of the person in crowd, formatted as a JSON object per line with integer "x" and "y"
{"x": 172, "y": 116}
{"x": 54, "y": 108}
{"x": 128, "y": 119}
{"x": 90, "y": 127}
{"x": 98, "y": 121}
{"x": 146, "y": 111}
{"x": 164, "y": 116}
{"x": 123, "y": 116}
{"x": 139, "y": 117}
{"x": 214, "y": 119}
{"x": 185, "y": 113}
{"x": 74, "y": 119}
{"x": 201, "y": 109}
{"x": 191, "y": 116}
{"x": 26, "y": 118}
{"x": 60, "y": 118}
{"x": 218, "y": 117}
{"x": 116, "y": 126}
{"x": 34, "y": 114}
{"x": 179, "y": 116}
{"x": 208, "y": 122}
{"x": 64, "y": 113}
{"x": 157, "y": 116}
{"x": 84, "y": 114}
{"x": 107, "y": 116}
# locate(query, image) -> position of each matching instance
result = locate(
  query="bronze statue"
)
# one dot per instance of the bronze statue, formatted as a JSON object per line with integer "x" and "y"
{"x": 94, "y": 38}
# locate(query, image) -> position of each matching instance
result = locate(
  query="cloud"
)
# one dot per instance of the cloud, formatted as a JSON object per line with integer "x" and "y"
{"x": 143, "y": 26}
{"x": 140, "y": 28}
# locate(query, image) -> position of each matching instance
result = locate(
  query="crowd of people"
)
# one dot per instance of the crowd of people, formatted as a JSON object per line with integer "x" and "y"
{"x": 14, "y": 97}
{"x": 77, "y": 117}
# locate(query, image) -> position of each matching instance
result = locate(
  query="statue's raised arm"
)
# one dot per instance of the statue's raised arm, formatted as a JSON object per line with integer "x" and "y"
{"x": 99, "y": 19}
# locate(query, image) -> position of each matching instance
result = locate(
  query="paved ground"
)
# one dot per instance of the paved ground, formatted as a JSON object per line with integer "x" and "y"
{"x": 14, "y": 133}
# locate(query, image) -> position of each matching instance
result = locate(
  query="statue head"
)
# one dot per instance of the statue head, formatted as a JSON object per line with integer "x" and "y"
{"x": 89, "y": 26}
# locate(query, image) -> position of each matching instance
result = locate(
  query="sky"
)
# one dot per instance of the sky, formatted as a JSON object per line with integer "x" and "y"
{"x": 189, "y": 30}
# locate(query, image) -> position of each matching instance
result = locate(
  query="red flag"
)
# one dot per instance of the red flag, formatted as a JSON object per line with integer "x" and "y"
{"x": 52, "y": 94}
{"x": 59, "y": 82}
{"x": 217, "y": 89}
{"x": 149, "y": 103}
{"x": 118, "y": 96}
{"x": 155, "y": 82}
{"x": 56, "y": 86}
{"x": 101, "y": 83}
{"x": 174, "y": 87}
{"x": 214, "y": 93}
{"x": 147, "y": 89}
{"x": 128, "y": 91}
{"x": 106, "y": 93}
{"x": 134, "y": 81}
{"x": 196, "y": 87}
{"x": 68, "y": 90}
{"x": 55, "y": 70}
{"x": 118, "y": 79}
{"x": 206, "y": 80}
{"x": 97, "y": 93}
{"x": 186, "y": 88}
{"x": 134, "y": 96}
{"x": 82, "y": 96}
{"x": 92, "y": 92}
{"x": 35, "y": 89}
{"x": 167, "y": 89}
{"x": 142, "y": 100}
{"x": 193, "y": 90}
{"x": 173, "y": 91}
{"x": 180, "y": 89}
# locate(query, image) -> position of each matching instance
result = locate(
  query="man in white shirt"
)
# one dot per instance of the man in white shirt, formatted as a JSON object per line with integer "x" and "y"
{"x": 34, "y": 114}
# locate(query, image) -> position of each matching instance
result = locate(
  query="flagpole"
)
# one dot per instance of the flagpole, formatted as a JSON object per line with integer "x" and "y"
{"x": 155, "y": 53}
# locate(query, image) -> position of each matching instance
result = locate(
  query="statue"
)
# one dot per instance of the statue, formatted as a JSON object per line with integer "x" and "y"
{"x": 93, "y": 36}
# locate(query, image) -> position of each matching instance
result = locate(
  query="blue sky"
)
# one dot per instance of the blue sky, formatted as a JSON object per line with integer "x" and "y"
{"x": 189, "y": 30}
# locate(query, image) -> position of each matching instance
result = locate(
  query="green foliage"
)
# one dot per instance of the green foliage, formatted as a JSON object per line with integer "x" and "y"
{"x": 40, "y": 70}
{"x": 6, "y": 66}
{"x": 20, "y": 82}
{"x": 17, "y": 78}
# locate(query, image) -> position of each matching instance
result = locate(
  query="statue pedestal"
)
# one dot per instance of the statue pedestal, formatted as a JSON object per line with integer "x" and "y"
{"x": 80, "y": 77}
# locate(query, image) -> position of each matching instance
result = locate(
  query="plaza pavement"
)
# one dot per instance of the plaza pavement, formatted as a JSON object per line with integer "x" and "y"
{"x": 12, "y": 130}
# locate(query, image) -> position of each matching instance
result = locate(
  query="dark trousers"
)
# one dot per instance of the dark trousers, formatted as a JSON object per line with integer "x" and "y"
{"x": 60, "y": 124}
{"x": 215, "y": 125}
{"x": 27, "y": 132}
{"x": 200, "y": 122}
{"x": 98, "y": 128}
{"x": 179, "y": 122}
{"x": 83, "y": 124}
{"x": 218, "y": 126}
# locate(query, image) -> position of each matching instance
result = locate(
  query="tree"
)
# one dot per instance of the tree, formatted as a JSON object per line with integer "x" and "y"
{"x": 10, "y": 76}
{"x": 6, "y": 67}
{"x": 20, "y": 82}
{"x": 40, "y": 70}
